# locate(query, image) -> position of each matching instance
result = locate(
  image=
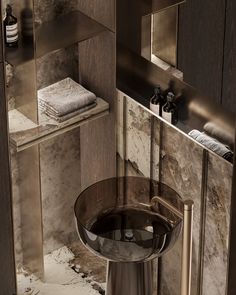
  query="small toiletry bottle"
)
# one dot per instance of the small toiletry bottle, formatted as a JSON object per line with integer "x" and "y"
{"x": 169, "y": 111}
{"x": 10, "y": 28}
{"x": 156, "y": 101}
{"x": 27, "y": 23}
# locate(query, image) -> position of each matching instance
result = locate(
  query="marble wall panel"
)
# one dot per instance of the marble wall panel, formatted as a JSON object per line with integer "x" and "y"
{"x": 60, "y": 184}
{"x": 120, "y": 123}
{"x": 138, "y": 137}
{"x": 16, "y": 209}
{"x": 156, "y": 144}
{"x": 10, "y": 89}
{"x": 181, "y": 170}
{"x": 46, "y": 10}
{"x": 57, "y": 65}
{"x": 217, "y": 226}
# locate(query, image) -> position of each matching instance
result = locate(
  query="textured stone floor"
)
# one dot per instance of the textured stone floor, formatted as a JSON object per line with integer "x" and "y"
{"x": 68, "y": 271}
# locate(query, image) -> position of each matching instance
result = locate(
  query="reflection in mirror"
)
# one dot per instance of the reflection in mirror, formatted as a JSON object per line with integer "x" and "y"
{"x": 164, "y": 29}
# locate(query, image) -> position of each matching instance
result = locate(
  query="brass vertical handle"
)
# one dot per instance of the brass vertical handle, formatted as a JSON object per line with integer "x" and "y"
{"x": 187, "y": 248}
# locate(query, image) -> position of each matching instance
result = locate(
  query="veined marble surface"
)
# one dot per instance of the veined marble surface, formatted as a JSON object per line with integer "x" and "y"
{"x": 57, "y": 65}
{"x": 46, "y": 10}
{"x": 25, "y": 133}
{"x": 218, "y": 202}
{"x": 66, "y": 273}
{"x": 181, "y": 169}
{"x": 16, "y": 209}
{"x": 138, "y": 137}
{"x": 60, "y": 184}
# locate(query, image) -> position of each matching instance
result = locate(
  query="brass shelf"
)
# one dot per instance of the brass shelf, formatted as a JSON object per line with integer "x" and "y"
{"x": 24, "y": 133}
{"x": 62, "y": 32}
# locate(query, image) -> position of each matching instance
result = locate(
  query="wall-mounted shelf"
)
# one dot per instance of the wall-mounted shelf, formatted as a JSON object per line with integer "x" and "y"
{"x": 59, "y": 33}
{"x": 194, "y": 109}
{"x": 24, "y": 133}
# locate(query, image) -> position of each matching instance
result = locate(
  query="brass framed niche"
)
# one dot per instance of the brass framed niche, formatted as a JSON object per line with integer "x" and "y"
{"x": 92, "y": 34}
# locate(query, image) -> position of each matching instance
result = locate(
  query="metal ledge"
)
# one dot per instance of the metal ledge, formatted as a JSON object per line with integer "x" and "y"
{"x": 59, "y": 33}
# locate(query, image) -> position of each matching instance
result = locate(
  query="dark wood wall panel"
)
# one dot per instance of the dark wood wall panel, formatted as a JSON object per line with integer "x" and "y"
{"x": 1, "y": 41}
{"x": 229, "y": 78}
{"x": 200, "y": 45}
{"x": 103, "y": 11}
{"x": 97, "y": 64}
{"x": 7, "y": 263}
{"x": 98, "y": 139}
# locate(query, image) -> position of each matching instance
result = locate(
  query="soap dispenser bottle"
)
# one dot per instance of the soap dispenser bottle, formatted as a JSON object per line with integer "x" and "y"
{"x": 156, "y": 101}
{"x": 169, "y": 112}
{"x": 10, "y": 28}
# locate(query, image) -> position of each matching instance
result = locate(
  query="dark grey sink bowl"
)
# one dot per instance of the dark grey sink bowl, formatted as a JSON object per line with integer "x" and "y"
{"x": 115, "y": 219}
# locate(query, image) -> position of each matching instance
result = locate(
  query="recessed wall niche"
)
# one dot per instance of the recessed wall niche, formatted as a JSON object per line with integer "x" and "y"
{"x": 66, "y": 43}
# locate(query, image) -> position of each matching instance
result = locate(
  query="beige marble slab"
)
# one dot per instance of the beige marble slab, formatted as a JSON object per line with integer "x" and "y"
{"x": 33, "y": 134}
{"x": 182, "y": 170}
{"x": 218, "y": 202}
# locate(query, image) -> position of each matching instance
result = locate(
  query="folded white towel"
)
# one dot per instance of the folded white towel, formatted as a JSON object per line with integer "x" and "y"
{"x": 64, "y": 97}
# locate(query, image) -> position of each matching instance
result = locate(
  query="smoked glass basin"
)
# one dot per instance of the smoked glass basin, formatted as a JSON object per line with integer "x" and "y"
{"x": 115, "y": 219}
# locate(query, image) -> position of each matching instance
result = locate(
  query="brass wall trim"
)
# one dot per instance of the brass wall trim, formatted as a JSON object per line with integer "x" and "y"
{"x": 231, "y": 282}
{"x": 205, "y": 159}
{"x": 186, "y": 270}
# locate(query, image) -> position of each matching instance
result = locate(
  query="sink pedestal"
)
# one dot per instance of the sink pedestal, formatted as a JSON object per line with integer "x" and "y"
{"x": 132, "y": 278}
{"x": 131, "y": 221}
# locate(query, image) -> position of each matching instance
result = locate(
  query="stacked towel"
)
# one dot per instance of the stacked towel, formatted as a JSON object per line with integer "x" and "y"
{"x": 65, "y": 99}
{"x": 212, "y": 144}
{"x": 218, "y": 132}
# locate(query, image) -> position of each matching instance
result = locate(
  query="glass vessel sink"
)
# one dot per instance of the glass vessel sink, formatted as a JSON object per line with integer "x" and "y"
{"x": 116, "y": 219}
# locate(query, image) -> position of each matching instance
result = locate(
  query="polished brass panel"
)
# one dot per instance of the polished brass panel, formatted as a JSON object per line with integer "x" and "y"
{"x": 164, "y": 35}
{"x": 132, "y": 22}
{"x": 52, "y": 35}
{"x": 25, "y": 90}
{"x": 146, "y": 37}
{"x": 64, "y": 31}
{"x": 24, "y": 87}
{"x": 31, "y": 210}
